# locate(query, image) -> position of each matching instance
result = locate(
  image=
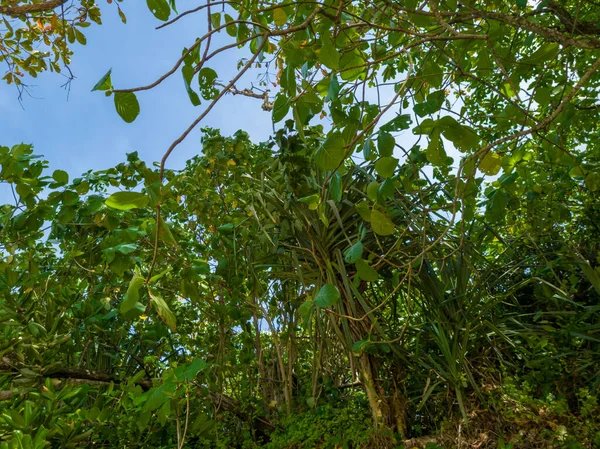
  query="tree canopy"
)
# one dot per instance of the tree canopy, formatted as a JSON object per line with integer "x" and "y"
{"x": 411, "y": 259}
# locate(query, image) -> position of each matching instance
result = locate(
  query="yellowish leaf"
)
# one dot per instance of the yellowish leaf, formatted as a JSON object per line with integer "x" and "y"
{"x": 279, "y": 17}
{"x": 491, "y": 163}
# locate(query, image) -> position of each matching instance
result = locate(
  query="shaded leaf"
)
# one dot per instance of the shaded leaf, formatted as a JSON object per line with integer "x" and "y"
{"x": 328, "y": 295}
{"x": 127, "y": 200}
{"x": 381, "y": 223}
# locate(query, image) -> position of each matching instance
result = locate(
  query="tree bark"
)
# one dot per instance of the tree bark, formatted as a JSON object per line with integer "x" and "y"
{"x": 17, "y": 10}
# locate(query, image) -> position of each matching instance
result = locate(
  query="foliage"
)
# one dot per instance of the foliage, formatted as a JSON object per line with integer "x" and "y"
{"x": 38, "y": 36}
{"x": 279, "y": 293}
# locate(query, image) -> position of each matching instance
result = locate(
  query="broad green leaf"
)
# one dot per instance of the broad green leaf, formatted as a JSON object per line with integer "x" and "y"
{"x": 279, "y": 17}
{"x": 386, "y": 189}
{"x": 281, "y": 107}
{"x": 433, "y": 104}
{"x": 331, "y": 153}
{"x": 105, "y": 82}
{"x": 231, "y": 29}
{"x": 165, "y": 234}
{"x": 372, "y": 190}
{"x": 313, "y": 200}
{"x": 188, "y": 73}
{"x": 385, "y": 166}
{"x": 160, "y": 9}
{"x": 364, "y": 210}
{"x": 215, "y": 20}
{"x": 133, "y": 293}
{"x": 188, "y": 372}
{"x": 305, "y": 312}
{"x": 333, "y": 89}
{"x": 124, "y": 248}
{"x": 592, "y": 181}
{"x": 545, "y": 53}
{"x": 367, "y": 149}
{"x": 399, "y": 123}
{"x": 329, "y": 55}
{"x": 335, "y": 186}
{"x": 164, "y": 413}
{"x": 354, "y": 253}
{"x": 127, "y": 200}
{"x": 435, "y": 151}
{"x": 163, "y": 310}
{"x": 386, "y": 144}
{"x": 206, "y": 80}
{"x": 227, "y": 228}
{"x": 352, "y": 66}
{"x": 156, "y": 277}
{"x": 576, "y": 172}
{"x": 491, "y": 163}
{"x": 60, "y": 176}
{"x": 157, "y": 396}
{"x": 366, "y": 272}
{"x": 127, "y": 105}
{"x": 381, "y": 223}
{"x": 433, "y": 74}
{"x": 327, "y": 296}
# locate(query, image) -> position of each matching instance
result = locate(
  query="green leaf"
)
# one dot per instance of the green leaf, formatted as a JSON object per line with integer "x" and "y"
{"x": 105, "y": 82}
{"x": 127, "y": 106}
{"x": 313, "y": 200}
{"x": 127, "y": 200}
{"x": 545, "y": 53}
{"x": 166, "y": 235}
{"x": 279, "y": 17}
{"x": 328, "y": 295}
{"x": 399, "y": 123}
{"x": 188, "y": 73}
{"x": 433, "y": 74}
{"x": 385, "y": 166}
{"x": 366, "y": 272}
{"x": 206, "y": 80}
{"x": 592, "y": 181}
{"x": 329, "y": 55}
{"x": 163, "y": 310}
{"x": 331, "y": 153}
{"x": 381, "y": 223}
{"x": 372, "y": 190}
{"x": 281, "y": 107}
{"x": 188, "y": 372}
{"x": 60, "y": 176}
{"x": 576, "y": 172}
{"x": 156, "y": 277}
{"x": 231, "y": 29}
{"x": 433, "y": 104}
{"x": 435, "y": 152}
{"x": 364, "y": 210}
{"x": 155, "y": 397}
{"x": 160, "y": 9}
{"x": 227, "y": 228}
{"x": 333, "y": 89}
{"x": 215, "y": 20}
{"x": 354, "y": 253}
{"x": 335, "y": 186}
{"x": 386, "y": 144}
{"x": 491, "y": 163}
{"x": 367, "y": 149}
{"x": 124, "y": 248}
{"x": 133, "y": 293}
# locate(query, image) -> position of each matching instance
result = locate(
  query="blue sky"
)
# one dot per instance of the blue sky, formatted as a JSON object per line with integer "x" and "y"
{"x": 84, "y": 132}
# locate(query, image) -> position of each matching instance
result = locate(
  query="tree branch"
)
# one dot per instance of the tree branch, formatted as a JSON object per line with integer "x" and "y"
{"x": 21, "y": 10}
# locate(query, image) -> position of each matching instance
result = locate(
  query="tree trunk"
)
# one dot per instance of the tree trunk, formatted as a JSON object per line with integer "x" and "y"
{"x": 388, "y": 408}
